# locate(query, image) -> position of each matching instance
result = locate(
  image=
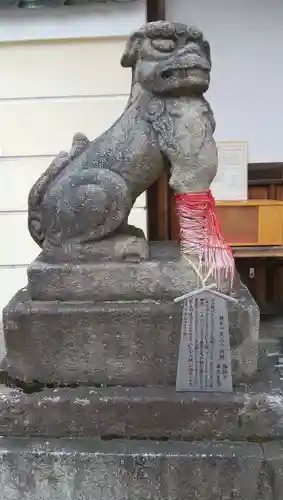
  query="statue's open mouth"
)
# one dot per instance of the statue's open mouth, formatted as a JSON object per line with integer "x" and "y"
{"x": 183, "y": 72}
{"x": 175, "y": 72}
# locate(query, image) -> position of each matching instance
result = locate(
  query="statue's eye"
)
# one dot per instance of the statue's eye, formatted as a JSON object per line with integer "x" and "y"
{"x": 163, "y": 44}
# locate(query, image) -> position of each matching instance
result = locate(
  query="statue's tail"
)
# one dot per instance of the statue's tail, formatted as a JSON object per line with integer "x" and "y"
{"x": 37, "y": 192}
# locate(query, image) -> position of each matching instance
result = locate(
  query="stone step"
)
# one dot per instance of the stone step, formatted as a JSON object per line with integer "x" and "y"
{"x": 152, "y": 412}
{"x": 87, "y": 469}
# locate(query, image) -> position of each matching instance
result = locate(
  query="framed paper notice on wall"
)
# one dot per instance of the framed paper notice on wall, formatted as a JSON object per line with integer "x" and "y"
{"x": 231, "y": 181}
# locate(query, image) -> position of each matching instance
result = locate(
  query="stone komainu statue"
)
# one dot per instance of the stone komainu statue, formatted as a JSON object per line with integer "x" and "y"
{"x": 86, "y": 195}
{"x": 116, "y": 323}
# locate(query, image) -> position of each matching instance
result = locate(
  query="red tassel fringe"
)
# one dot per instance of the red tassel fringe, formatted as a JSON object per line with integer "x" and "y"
{"x": 201, "y": 235}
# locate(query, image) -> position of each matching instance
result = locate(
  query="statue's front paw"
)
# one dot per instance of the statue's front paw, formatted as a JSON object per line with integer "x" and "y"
{"x": 132, "y": 248}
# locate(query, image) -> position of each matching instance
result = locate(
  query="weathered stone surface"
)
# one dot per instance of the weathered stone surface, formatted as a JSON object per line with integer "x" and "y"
{"x": 273, "y": 457}
{"x": 263, "y": 411}
{"x": 128, "y": 343}
{"x": 90, "y": 469}
{"x": 127, "y": 246}
{"x": 141, "y": 413}
{"x": 164, "y": 276}
{"x": 122, "y": 342}
{"x": 109, "y": 306}
{"x": 244, "y": 318}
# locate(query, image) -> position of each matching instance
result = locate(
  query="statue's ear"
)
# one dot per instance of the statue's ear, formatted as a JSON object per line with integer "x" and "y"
{"x": 130, "y": 56}
{"x": 207, "y": 49}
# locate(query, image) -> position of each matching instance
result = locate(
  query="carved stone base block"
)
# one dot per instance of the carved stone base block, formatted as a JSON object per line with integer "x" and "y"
{"x": 123, "y": 342}
{"x": 114, "y": 323}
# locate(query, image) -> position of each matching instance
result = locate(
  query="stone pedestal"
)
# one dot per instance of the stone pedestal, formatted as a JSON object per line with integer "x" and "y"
{"x": 109, "y": 333}
{"x": 152, "y": 413}
{"x": 113, "y": 324}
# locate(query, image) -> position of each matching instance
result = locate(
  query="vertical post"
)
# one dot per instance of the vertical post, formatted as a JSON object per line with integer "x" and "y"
{"x": 155, "y": 10}
{"x": 158, "y": 202}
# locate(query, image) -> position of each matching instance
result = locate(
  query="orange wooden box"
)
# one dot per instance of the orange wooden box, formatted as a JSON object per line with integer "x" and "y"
{"x": 251, "y": 222}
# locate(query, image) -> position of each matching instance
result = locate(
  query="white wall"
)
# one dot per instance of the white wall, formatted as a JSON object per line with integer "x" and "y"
{"x": 69, "y": 22}
{"x": 246, "y": 94}
{"x": 48, "y": 91}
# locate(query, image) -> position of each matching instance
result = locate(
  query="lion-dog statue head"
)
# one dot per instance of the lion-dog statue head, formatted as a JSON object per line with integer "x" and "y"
{"x": 169, "y": 59}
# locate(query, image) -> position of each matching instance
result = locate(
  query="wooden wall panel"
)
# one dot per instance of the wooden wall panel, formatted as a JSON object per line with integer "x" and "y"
{"x": 258, "y": 193}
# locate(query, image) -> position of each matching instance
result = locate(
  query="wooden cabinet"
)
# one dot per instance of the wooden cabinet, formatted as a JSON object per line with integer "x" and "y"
{"x": 252, "y": 222}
